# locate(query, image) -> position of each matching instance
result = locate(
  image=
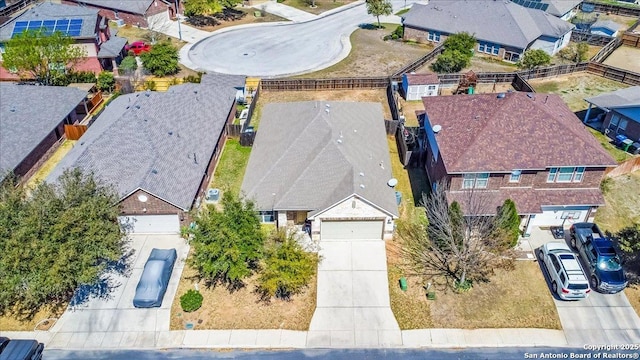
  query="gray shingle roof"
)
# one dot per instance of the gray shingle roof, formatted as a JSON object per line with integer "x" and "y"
{"x": 311, "y": 159}
{"x": 112, "y": 47}
{"x": 623, "y": 98}
{"x": 52, "y": 11}
{"x": 130, "y": 6}
{"x": 500, "y": 21}
{"x": 158, "y": 142}
{"x": 561, "y": 7}
{"x": 25, "y": 119}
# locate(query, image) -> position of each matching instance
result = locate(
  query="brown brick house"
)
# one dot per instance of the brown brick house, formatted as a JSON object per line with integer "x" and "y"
{"x": 131, "y": 12}
{"x": 159, "y": 149}
{"x": 31, "y": 127}
{"x": 524, "y": 146}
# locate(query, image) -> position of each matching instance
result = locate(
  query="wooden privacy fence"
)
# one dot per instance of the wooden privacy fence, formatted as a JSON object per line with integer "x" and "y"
{"x": 626, "y": 167}
{"x": 324, "y": 84}
{"x": 552, "y": 70}
{"x": 589, "y": 38}
{"x": 74, "y": 132}
{"x": 234, "y": 130}
{"x": 613, "y": 73}
{"x": 606, "y": 50}
{"x": 393, "y": 102}
{"x": 418, "y": 63}
{"x": 631, "y": 39}
{"x": 615, "y": 9}
{"x": 521, "y": 84}
{"x": 391, "y": 126}
{"x": 252, "y": 107}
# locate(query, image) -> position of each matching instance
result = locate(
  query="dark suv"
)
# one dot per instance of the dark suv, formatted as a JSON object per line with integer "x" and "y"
{"x": 21, "y": 349}
{"x": 600, "y": 256}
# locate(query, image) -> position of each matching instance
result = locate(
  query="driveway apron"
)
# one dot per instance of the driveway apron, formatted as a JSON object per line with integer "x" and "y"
{"x": 353, "y": 307}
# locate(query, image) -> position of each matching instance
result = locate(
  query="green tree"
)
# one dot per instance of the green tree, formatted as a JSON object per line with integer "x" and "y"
{"x": 582, "y": 49}
{"x": 129, "y": 64}
{"x": 227, "y": 243}
{"x": 161, "y": 60}
{"x": 378, "y": 8}
{"x": 59, "y": 237}
{"x": 287, "y": 268}
{"x": 628, "y": 240}
{"x": 106, "y": 81}
{"x": 508, "y": 223}
{"x": 202, "y": 7}
{"x": 463, "y": 42}
{"x": 33, "y": 54}
{"x": 450, "y": 61}
{"x": 534, "y": 58}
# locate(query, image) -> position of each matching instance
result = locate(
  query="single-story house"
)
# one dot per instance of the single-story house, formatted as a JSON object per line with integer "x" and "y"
{"x": 323, "y": 162}
{"x": 130, "y": 12}
{"x": 528, "y": 147}
{"x": 563, "y": 9}
{"x": 606, "y": 27}
{"x": 415, "y": 86}
{"x": 622, "y": 109}
{"x": 32, "y": 120}
{"x": 158, "y": 149}
{"x": 89, "y": 30}
{"x": 503, "y": 29}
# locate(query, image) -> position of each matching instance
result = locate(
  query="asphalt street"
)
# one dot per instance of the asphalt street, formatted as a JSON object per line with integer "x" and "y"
{"x": 280, "y": 49}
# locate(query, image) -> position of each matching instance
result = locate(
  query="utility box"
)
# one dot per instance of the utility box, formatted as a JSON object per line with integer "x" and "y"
{"x": 403, "y": 284}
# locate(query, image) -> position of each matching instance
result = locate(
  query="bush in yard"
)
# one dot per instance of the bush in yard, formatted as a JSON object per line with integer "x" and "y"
{"x": 628, "y": 239}
{"x": 450, "y": 62}
{"x": 161, "y": 60}
{"x": 534, "y": 58}
{"x": 129, "y": 64}
{"x": 106, "y": 81}
{"x": 508, "y": 223}
{"x": 150, "y": 85}
{"x": 287, "y": 268}
{"x": 575, "y": 52}
{"x": 463, "y": 42}
{"x": 191, "y": 301}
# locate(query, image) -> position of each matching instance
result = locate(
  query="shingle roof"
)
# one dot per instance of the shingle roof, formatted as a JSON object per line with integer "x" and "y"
{"x": 305, "y": 158}
{"x": 26, "y": 118}
{"x": 158, "y": 142}
{"x": 112, "y": 47}
{"x": 530, "y": 201}
{"x": 130, "y": 6}
{"x": 561, "y": 7}
{"x": 623, "y": 98}
{"x": 422, "y": 79}
{"x": 520, "y": 131}
{"x": 501, "y": 21}
{"x": 52, "y": 11}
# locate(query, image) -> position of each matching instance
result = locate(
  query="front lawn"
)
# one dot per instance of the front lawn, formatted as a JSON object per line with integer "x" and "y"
{"x": 231, "y": 166}
{"x": 320, "y": 5}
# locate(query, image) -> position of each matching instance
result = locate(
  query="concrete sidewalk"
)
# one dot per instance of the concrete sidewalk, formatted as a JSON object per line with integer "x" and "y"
{"x": 162, "y": 24}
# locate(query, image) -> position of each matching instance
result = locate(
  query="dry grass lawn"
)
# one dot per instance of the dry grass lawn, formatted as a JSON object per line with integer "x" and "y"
{"x": 479, "y": 63}
{"x": 379, "y": 96}
{"x": 51, "y": 163}
{"x": 320, "y": 5}
{"x": 625, "y": 57}
{"x": 250, "y": 18}
{"x": 573, "y": 88}
{"x": 11, "y": 323}
{"x": 372, "y": 56}
{"x": 242, "y": 309}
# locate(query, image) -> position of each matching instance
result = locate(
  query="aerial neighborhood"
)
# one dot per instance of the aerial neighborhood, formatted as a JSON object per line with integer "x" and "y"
{"x": 319, "y": 174}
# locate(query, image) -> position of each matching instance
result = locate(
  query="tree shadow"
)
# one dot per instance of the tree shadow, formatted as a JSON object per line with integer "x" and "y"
{"x": 368, "y": 26}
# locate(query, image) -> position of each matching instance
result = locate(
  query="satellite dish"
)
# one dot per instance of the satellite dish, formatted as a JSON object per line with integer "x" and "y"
{"x": 392, "y": 182}
{"x": 437, "y": 128}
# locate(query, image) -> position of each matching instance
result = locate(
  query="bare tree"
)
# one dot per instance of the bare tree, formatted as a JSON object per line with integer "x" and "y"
{"x": 458, "y": 247}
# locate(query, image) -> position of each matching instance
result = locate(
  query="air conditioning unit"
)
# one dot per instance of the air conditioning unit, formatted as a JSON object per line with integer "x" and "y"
{"x": 120, "y": 22}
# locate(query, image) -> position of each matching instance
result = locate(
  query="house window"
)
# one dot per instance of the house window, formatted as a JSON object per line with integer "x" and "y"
{"x": 489, "y": 48}
{"x": 434, "y": 36}
{"x": 565, "y": 174}
{"x": 515, "y": 176}
{"x": 431, "y": 87}
{"x": 476, "y": 180}
{"x": 266, "y": 216}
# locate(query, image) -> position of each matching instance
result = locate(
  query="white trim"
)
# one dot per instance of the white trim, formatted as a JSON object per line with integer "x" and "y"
{"x": 154, "y": 195}
{"x": 320, "y": 212}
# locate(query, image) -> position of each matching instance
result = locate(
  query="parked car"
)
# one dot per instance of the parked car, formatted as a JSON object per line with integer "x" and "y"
{"x": 568, "y": 279}
{"x": 138, "y": 47}
{"x": 155, "y": 278}
{"x": 600, "y": 256}
{"x": 20, "y": 349}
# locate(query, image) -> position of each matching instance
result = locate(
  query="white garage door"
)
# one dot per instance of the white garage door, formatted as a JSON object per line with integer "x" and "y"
{"x": 152, "y": 224}
{"x": 555, "y": 216}
{"x": 338, "y": 230}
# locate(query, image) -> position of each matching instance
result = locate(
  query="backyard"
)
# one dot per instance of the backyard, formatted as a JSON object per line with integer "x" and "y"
{"x": 625, "y": 57}
{"x": 372, "y": 56}
{"x": 479, "y": 63}
{"x": 51, "y": 163}
{"x": 320, "y": 5}
{"x": 231, "y": 167}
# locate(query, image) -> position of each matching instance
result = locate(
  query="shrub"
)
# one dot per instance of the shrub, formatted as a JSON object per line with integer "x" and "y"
{"x": 106, "y": 81}
{"x": 191, "y": 301}
{"x": 161, "y": 60}
{"x": 150, "y": 85}
{"x": 534, "y": 58}
{"x": 129, "y": 64}
{"x": 399, "y": 31}
{"x": 193, "y": 78}
{"x": 508, "y": 223}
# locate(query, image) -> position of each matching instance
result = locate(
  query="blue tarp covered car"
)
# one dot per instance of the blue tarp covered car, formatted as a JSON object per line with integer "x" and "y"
{"x": 155, "y": 278}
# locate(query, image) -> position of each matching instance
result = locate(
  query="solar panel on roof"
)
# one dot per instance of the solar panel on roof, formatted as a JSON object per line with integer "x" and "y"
{"x": 68, "y": 27}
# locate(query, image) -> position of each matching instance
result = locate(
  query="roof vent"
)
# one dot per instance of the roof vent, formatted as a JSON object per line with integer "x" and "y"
{"x": 328, "y": 106}
{"x": 355, "y": 130}
{"x": 501, "y": 96}
{"x": 147, "y": 93}
{"x": 339, "y": 141}
{"x": 195, "y": 91}
{"x": 361, "y": 174}
{"x": 13, "y": 108}
{"x": 436, "y": 129}
{"x": 477, "y": 117}
{"x": 170, "y": 133}
{"x": 530, "y": 95}
{"x": 382, "y": 165}
{"x": 326, "y": 110}
{"x": 138, "y": 107}
{"x": 154, "y": 171}
{"x": 392, "y": 182}
{"x": 361, "y": 186}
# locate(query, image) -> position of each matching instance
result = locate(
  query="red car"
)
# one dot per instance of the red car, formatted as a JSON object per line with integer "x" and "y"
{"x": 138, "y": 47}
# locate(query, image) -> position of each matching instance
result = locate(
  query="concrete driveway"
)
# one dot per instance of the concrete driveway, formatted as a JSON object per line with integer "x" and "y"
{"x": 114, "y": 319}
{"x": 353, "y": 306}
{"x": 599, "y": 319}
{"x": 278, "y": 49}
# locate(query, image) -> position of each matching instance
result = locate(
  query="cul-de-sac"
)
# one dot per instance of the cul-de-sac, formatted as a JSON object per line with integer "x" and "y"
{"x": 319, "y": 178}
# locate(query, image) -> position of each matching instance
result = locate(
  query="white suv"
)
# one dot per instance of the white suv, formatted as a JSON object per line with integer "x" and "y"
{"x": 568, "y": 279}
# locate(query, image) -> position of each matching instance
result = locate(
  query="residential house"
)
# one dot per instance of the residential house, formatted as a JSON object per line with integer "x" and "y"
{"x": 325, "y": 162}
{"x": 89, "y": 30}
{"x": 415, "y": 86}
{"x": 32, "y": 120}
{"x": 606, "y": 27}
{"x": 622, "y": 112}
{"x": 563, "y": 9}
{"x": 130, "y": 12}
{"x": 503, "y": 29}
{"x": 528, "y": 147}
{"x": 159, "y": 149}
